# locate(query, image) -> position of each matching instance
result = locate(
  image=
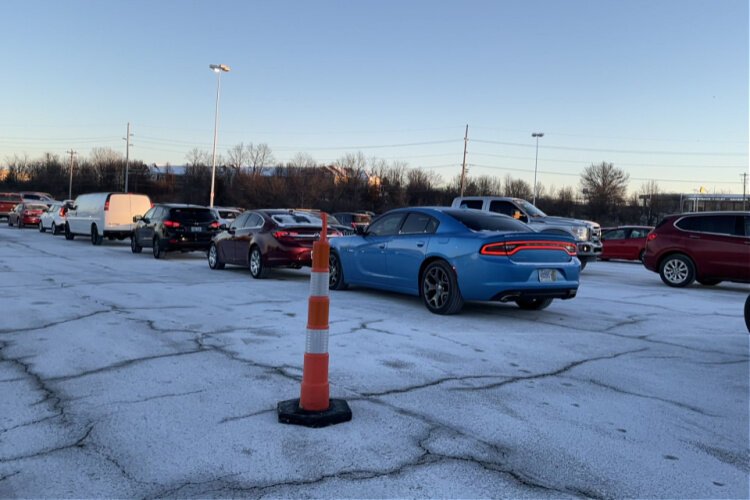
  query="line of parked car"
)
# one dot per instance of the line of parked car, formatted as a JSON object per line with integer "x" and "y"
{"x": 445, "y": 255}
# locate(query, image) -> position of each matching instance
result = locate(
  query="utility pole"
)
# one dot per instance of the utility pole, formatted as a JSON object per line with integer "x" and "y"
{"x": 127, "y": 155}
{"x": 536, "y": 135}
{"x": 744, "y": 190}
{"x": 70, "y": 185}
{"x": 463, "y": 165}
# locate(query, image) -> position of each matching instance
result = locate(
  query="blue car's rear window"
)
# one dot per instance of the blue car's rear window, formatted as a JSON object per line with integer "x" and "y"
{"x": 486, "y": 221}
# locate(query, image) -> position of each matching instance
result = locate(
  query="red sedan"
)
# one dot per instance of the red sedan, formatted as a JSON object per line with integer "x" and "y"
{"x": 26, "y": 214}
{"x": 624, "y": 242}
{"x": 262, "y": 239}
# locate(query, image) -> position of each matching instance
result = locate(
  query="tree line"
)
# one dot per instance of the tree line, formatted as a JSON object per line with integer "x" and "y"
{"x": 353, "y": 182}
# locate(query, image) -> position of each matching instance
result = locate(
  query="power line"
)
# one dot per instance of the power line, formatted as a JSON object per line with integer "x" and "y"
{"x": 624, "y": 151}
{"x": 578, "y": 175}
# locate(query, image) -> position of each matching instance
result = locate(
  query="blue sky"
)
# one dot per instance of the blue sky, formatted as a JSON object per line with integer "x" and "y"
{"x": 659, "y": 88}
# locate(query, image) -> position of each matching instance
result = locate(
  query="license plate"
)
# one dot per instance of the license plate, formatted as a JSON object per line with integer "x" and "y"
{"x": 196, "y": 229}
{"x": 547, "y": 275}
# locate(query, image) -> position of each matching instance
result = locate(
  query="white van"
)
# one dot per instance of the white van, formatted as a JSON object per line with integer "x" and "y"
{"x": 105, "y": 214}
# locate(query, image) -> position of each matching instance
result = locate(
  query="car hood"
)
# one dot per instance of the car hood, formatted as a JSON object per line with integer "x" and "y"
{"x": 563, "y": 221}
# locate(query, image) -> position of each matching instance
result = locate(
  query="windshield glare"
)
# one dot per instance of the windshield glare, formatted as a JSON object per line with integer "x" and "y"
{"x": 531, "y": 209}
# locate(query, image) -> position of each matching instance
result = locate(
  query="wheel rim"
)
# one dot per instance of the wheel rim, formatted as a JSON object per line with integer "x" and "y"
{"x": 675, "y": 271}
{"x": 333, "y": 271}
{"x": 436, "y": 287}
{"x": 212, "y": 256}
{"x": 255, "y": 262}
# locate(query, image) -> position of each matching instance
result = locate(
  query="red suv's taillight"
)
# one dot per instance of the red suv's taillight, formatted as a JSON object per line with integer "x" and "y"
{"x": 214, "y": 225}
{"x": 171, "y": 223}
{"x": 651, "y": 237}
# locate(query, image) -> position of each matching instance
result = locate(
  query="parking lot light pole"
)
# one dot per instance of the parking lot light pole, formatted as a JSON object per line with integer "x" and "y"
{"x": 218, "y": 69}
{"x": 536, "y": 135}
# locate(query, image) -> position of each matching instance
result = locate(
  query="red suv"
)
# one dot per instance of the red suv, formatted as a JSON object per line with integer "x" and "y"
{"x": 709, "y": 247}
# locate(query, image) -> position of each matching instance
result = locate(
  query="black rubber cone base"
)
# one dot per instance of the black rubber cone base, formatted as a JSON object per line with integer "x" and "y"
{"x": 290, "y": 413}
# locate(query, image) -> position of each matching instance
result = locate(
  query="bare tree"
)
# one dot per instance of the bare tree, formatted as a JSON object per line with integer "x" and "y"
{"x": 259, "y": 156}
{"x": 198, "y": 158}
{"x": 517, "y": 188}
{"x": 237, "y": 157}
{"x": 648, "y": 198}
{"x": 302, "y": 160}
{"x": 605, "y": 187}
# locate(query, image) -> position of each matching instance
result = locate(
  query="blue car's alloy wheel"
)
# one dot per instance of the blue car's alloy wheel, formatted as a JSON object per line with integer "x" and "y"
{"x": 440, "y": 289}
{"x": 335, "y": 273}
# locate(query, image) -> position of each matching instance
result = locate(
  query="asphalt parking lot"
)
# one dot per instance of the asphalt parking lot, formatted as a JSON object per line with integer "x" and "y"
{"x": 124, "y": 376}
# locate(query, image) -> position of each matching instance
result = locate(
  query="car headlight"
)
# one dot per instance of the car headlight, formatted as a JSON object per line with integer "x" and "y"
{"x": 581, "y": 233}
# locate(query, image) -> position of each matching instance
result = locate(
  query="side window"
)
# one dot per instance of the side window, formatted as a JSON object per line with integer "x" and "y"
{"x": 747, "y": 226}
{"x": 253, "y": 221}
{"x": 386, "y": 226}
{"x": 638, "y": 233}
{"x": 503, "y": 207}
{"x": 416, "y": 223}
{"x": 476, "y": 204}
{"x": 721, "y": 224}
{"x": 149, "y": 214}
{"x": 617, "y": 234}
{"x": 689, "y": 224}
{"x": 239, "y": 221}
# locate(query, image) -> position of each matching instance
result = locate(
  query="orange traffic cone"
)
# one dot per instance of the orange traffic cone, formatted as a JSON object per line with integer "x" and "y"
{"x": 314, "y": 408}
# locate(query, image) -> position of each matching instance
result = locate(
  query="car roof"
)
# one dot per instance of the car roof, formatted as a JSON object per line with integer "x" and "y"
{"x": 180, "y": 205}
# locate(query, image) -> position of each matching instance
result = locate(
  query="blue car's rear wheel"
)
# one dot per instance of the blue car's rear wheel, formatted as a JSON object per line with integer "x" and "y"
{"x": 439, "y": 289}
{"x": 335, "y": 273}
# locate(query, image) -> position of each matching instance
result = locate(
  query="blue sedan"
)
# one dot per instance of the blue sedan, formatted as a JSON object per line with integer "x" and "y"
{"x": 448, "y": 255}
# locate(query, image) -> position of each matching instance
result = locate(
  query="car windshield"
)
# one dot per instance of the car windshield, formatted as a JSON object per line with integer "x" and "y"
{"x": 485, "y": 221}
{"x": 531, "y": 209}
{"x": 191, "y": 214}
{"x": 36, "y": 207}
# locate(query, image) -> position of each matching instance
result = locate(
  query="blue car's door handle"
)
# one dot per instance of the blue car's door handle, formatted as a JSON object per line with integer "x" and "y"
{"x": 420, "y": 244}
{"x": 381, "y": 246}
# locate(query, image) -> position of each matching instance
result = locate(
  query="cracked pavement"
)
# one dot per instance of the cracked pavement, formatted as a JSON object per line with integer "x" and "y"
{"x": 124, "y": 376}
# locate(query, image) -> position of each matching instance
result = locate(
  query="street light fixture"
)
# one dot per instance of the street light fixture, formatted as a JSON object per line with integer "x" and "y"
{"x": 536, "y": 135}
{"x": 218, "y": 69}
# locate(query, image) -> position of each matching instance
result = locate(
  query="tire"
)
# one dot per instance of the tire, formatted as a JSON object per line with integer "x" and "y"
{"x": 584, "y": 261}
{"x": 677, "y": 270}
{"x": 255, "y": 263}
{"x": 533, "y": 304}
{"x": 20, "y": 224}
{"x": 640, "y": 256}
{"x": 55, "y": 229}
{"x": 96, "y": 238}
{"x": 159, "y": 252}
{"x": 708, "y": 282}
{"x": 41, "y": 227}
{"x": 10, "y": 224}
{"x": 134, "y": 246}
{"x": 214, "y": 262}
{"x": 439, "y": 289}
{"x": 336, "y": 273}
{"x": 68, "y": 234}
{"x": 747, "y": 313}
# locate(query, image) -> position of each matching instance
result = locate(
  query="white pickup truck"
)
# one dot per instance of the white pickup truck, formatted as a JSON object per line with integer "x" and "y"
{"x": 588, "y": 235}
